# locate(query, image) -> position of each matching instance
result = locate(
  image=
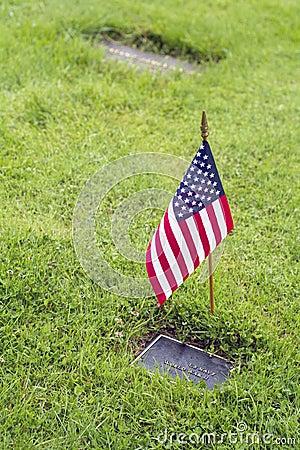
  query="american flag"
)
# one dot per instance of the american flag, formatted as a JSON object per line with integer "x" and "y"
{"x": 197, "y": 220}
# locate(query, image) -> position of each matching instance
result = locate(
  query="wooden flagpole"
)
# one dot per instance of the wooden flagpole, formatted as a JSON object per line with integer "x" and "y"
{"x": 204, "y": 135}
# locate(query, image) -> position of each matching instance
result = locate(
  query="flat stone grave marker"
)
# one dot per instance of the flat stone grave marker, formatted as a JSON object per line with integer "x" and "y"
{"x": 186, "y": 361}
{"x": 148, "y": 60}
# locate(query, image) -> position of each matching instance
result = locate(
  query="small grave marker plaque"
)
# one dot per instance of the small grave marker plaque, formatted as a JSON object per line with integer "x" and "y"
{"x": 149, "y": 60}
{"x": 171, "y": 356}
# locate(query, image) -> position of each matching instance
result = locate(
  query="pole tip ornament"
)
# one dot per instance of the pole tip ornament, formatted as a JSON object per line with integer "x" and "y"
{"x": 204, "y": 126}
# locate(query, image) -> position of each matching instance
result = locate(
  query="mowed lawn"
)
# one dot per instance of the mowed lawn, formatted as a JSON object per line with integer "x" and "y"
{"x": 67, "y": 345}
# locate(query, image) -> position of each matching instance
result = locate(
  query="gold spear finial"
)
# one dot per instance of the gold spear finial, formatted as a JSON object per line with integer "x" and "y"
{"x": 204, "y": 126}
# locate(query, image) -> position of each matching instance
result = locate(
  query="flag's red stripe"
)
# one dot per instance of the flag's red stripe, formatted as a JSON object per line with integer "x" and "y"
{"x": 149, "y": 265}
{"x": 227, "y": 213}
{"x": 175, "y": 247}
{"x": 153, "y": 278}
{"x": 214, "y": 223}
{"x": 202, "y": 234}
{"x": 190, "y": 243}
{"x": 161, "y": 298}
{"x": 164, "y": 262}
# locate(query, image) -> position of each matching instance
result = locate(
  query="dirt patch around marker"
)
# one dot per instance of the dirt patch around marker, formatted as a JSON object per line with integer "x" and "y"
{"x": 150, "y": 51}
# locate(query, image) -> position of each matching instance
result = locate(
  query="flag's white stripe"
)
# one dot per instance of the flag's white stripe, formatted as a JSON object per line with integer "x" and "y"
{"x": 196, "y": 238}
{"x": 169, "y": 254}
{"x": 180, "y": 239}
{"x": 220, "y": 217}
{"x": 158, "y": 269}
{"x": 208, "y": 228}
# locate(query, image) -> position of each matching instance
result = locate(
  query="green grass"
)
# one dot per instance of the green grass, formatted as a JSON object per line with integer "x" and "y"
{"x": 65, "y": 112}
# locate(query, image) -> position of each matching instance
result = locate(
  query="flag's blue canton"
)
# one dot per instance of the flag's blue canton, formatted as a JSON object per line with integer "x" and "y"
{"x": 201, "y": 185}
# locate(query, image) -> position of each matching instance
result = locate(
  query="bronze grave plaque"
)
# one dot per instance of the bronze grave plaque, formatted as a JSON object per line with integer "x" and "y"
{"x": 186, "y": 361}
